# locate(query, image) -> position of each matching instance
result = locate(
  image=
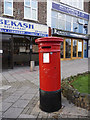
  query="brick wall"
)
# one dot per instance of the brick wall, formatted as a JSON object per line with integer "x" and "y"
{"x": 18, "y": 12}
{"x": 0, "y": 8}
{"x": 87, "y": 7}
{"x": 42, "y": 12}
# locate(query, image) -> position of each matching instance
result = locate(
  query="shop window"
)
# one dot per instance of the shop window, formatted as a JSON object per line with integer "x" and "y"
{"x": 30, "y": 9}
{"x": 21, "y": 46}
{"x": 74, "y": 48}
{"x": 8, "y": 7}
{"x": 85, "y": 49}
{"x": 34, "y": 45}
{"x": 68, "y": 48}
{"x": 79, "y": 48}
{"x": 62, "y": 50}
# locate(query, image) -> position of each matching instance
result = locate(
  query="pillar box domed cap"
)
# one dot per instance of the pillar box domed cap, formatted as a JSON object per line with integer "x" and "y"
{"x": 49, "y": 39}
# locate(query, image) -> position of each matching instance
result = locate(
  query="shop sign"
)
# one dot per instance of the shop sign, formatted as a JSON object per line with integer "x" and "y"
{"x": 21, "y": 27}
{"x": 68, "y": 34}
{"x": 68, "y": 10}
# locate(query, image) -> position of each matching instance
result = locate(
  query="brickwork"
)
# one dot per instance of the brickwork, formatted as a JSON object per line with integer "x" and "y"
{"x": 42, "y": 12}
{"x": 72, "y": 94}
{"x": 18, "y": 12}
{"x": 87, "y": 7}
{"x": 0, "y": 8}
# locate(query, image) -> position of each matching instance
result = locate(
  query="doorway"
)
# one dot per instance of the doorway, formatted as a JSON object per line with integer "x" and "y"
{"x": 74, "y": 48}
{"x": 6, "y": 56}
{"x": 7, "y": 51}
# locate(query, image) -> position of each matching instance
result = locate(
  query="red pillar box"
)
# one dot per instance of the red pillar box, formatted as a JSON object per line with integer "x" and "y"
{"x": 49, "y": 73}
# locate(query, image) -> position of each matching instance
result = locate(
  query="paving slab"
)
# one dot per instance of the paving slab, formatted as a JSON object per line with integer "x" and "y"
{"x": 21, "y": 103}
{"x": 18, "y": 93}
{"x": 6, "y": 106}
{"x": 12, "y": 113}
{"x": 32, "y": 90}
{"x": 11, "y": 99}
{"x": 27, "y": 96}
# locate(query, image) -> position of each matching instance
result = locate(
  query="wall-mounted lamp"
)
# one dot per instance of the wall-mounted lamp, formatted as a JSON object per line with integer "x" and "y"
{"x": 86, "y": 27}
{"x": 76, "y": 28}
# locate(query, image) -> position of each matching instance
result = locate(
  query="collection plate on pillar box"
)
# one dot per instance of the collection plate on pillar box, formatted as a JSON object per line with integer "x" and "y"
{"x": 46, "y": 58}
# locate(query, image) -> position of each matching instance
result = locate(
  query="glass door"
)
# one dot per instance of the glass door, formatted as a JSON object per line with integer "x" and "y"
{"x": 68, "y": 48}
{"x": 74, "y": 48}
{"x": 80, "y": 48}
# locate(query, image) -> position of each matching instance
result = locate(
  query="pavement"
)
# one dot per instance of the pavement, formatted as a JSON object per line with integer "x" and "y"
{"x": 19, "y": 92}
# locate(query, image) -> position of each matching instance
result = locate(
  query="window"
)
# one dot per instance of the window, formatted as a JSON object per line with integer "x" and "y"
{"x": 30, "y": 9}
{"x": 61, "y": 21}
{"x": 54, "y": 19}
{"x": 75, "y": 25}
{"x": 68, "y": 22}
{"x": 8, "y": 7}
{"x": 80, "y": 4}
{"x": 80, "y": 26}
{"x": 58, "y": 20}
{"x": 68, "y": 48}
{"x": 74, "y": 3}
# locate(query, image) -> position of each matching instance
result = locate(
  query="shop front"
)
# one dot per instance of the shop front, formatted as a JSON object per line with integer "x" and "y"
{"x": 72, "y": 46}
{"x": 18, "y": 42}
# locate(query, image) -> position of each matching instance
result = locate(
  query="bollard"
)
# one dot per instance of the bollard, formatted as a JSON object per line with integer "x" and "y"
{"x": 49, "y": 73}
{"x": 32, "y": 65}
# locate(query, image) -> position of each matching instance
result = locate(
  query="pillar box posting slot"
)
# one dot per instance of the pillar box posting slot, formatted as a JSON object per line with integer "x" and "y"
{"x": 49, "y": 73}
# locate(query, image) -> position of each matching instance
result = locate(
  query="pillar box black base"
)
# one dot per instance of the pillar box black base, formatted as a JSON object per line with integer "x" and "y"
{"x": 50, "y": 101}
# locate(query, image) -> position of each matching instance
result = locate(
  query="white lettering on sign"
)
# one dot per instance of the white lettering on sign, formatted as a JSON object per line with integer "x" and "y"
{"x": 46, "y": 58}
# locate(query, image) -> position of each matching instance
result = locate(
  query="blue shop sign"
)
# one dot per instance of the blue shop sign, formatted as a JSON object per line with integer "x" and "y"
{"x": 69, "y": 10}
{"x": 20, "y": 27}
{"x": 68, "y": 34}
